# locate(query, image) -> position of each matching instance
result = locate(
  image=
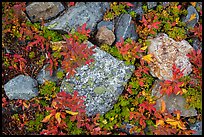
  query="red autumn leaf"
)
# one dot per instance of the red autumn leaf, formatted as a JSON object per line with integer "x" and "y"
{"x": 142, "y": 123}
{"x": 129, "y": 4}
{"x": 146, "y": 105}
{"x": 154, "y": 25}
{"x": 71, "y": 3}
{"x": 47, "y": 118}
{"x": 144, "y": 21}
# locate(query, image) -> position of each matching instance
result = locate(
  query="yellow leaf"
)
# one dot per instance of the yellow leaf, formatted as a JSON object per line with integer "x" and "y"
{"x": 178, "y": 92}
{"x": 25, "y": 105}
{"x": 148, "y": 58}
{"x": 57, "y": 117}
{"x": 144, "y": 48}
{"x": 178, "y": 116}
{"x": 132, "y": 109}
{"x": 111, "y": 119}
{"x": 159, "y": 122}
{"x": 143, "y": 93}
{"x": 181, "y": 126}
{"x": 172, "y": 122}
{"x": 54, "y": 104}
{"x": 184, "y": 90}
{"x": 104, "y": 121}
{"x": 70, "y": 112}
{"x": 56, "y": 47}
{"x": 193, "y": 3}
{"x": 175, "y": 123}
{"x": 46, "y": 119}
{"x": 193, "y": 16}
{"x": 163, "y": 106}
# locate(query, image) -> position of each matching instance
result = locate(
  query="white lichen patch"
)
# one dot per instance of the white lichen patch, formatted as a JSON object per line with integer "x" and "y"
{"x": 101, "y": 82}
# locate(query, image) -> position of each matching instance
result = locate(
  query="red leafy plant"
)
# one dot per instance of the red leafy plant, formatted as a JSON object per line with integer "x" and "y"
{"x": 195, "y": 58}
{"x": 197, "y": 30}
{"x": 143, "y": 68}
{"x": 75, "y": 55}
{"x": 149, "y": 25}
{"x": 168, "y": 124}
{"x": 173, "y": 85}
{"x": 129, "y": 49}
{"x": 64, "y": 104}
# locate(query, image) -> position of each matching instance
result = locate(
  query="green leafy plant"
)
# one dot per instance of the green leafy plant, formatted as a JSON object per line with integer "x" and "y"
{"x": 116, "y": 9}
{"x": 166, "y": 20}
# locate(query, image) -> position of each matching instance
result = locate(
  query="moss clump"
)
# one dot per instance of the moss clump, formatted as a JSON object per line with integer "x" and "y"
{"x": 100, "y": 90}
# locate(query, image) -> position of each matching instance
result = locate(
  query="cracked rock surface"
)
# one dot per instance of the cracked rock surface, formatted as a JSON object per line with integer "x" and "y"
{"x": 166, "y": 52}
{"x": 173, "y": 102}
{"x": 21, "y": 87}
{"x": 101, "y": 82}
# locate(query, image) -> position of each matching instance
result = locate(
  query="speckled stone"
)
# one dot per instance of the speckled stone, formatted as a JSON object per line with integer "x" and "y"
{"x": 90, "y": 13}
{"x": 173, "y": 102}
{"x": 166, "y": 52}
{"x": 151, "y": 5}
{"x": 101, "y": 82}
{"x": 21, "y": 87}
{"x": 191, "y": 11}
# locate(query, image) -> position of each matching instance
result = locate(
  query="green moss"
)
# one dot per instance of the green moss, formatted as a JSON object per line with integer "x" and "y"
{"x": 60, "y": 74}
{"x": 90, "y": 82}
{"x": 100, "y": 90}
{"x": 49, "y": 89}
{"x": 69, "y": 87}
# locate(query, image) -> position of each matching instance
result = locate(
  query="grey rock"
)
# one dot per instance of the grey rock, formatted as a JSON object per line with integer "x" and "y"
{"x": 197, "y": 44}
{"x": 44, "y": 75}
{"x": 21, "y": 87}
{"x": 75, "y": 16}
{"x": 191, "y": 10}
{"x": 165, "y": 4}
{"x": 166, "y": 52}
{"x": 98, "y": 83}
{"x": 105, "y": 36}
{"x": 124, "y": 28}
{"x": 137, "y": 8}
{"x": 45, "y": 10}
{"x": 173, "y": 102}
{"x": 151, "y": 5}
{"x": 108, "y": 24}
{"x": 197, "y": 127}
{"x": 131, "y": 32}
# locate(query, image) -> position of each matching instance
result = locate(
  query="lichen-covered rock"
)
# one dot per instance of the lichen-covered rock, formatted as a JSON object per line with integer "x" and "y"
{"x": 165, "y": 4}
{"x": 101, "y": 82}
{"x": 197, "y": 44}
{"x": 108, "y": 24}
{"x": 166, "y": 52}
{"x": 191, "y": 12}
{"x": 124, "y": 28}
{"x": 173, "y": 102}
{"x": 21, "y": 87}
{"x": 75, "y": 16}
{"x": 45, "y": 10}
{"x": 151, "y": 5}
{"x": 105, "y": 36}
